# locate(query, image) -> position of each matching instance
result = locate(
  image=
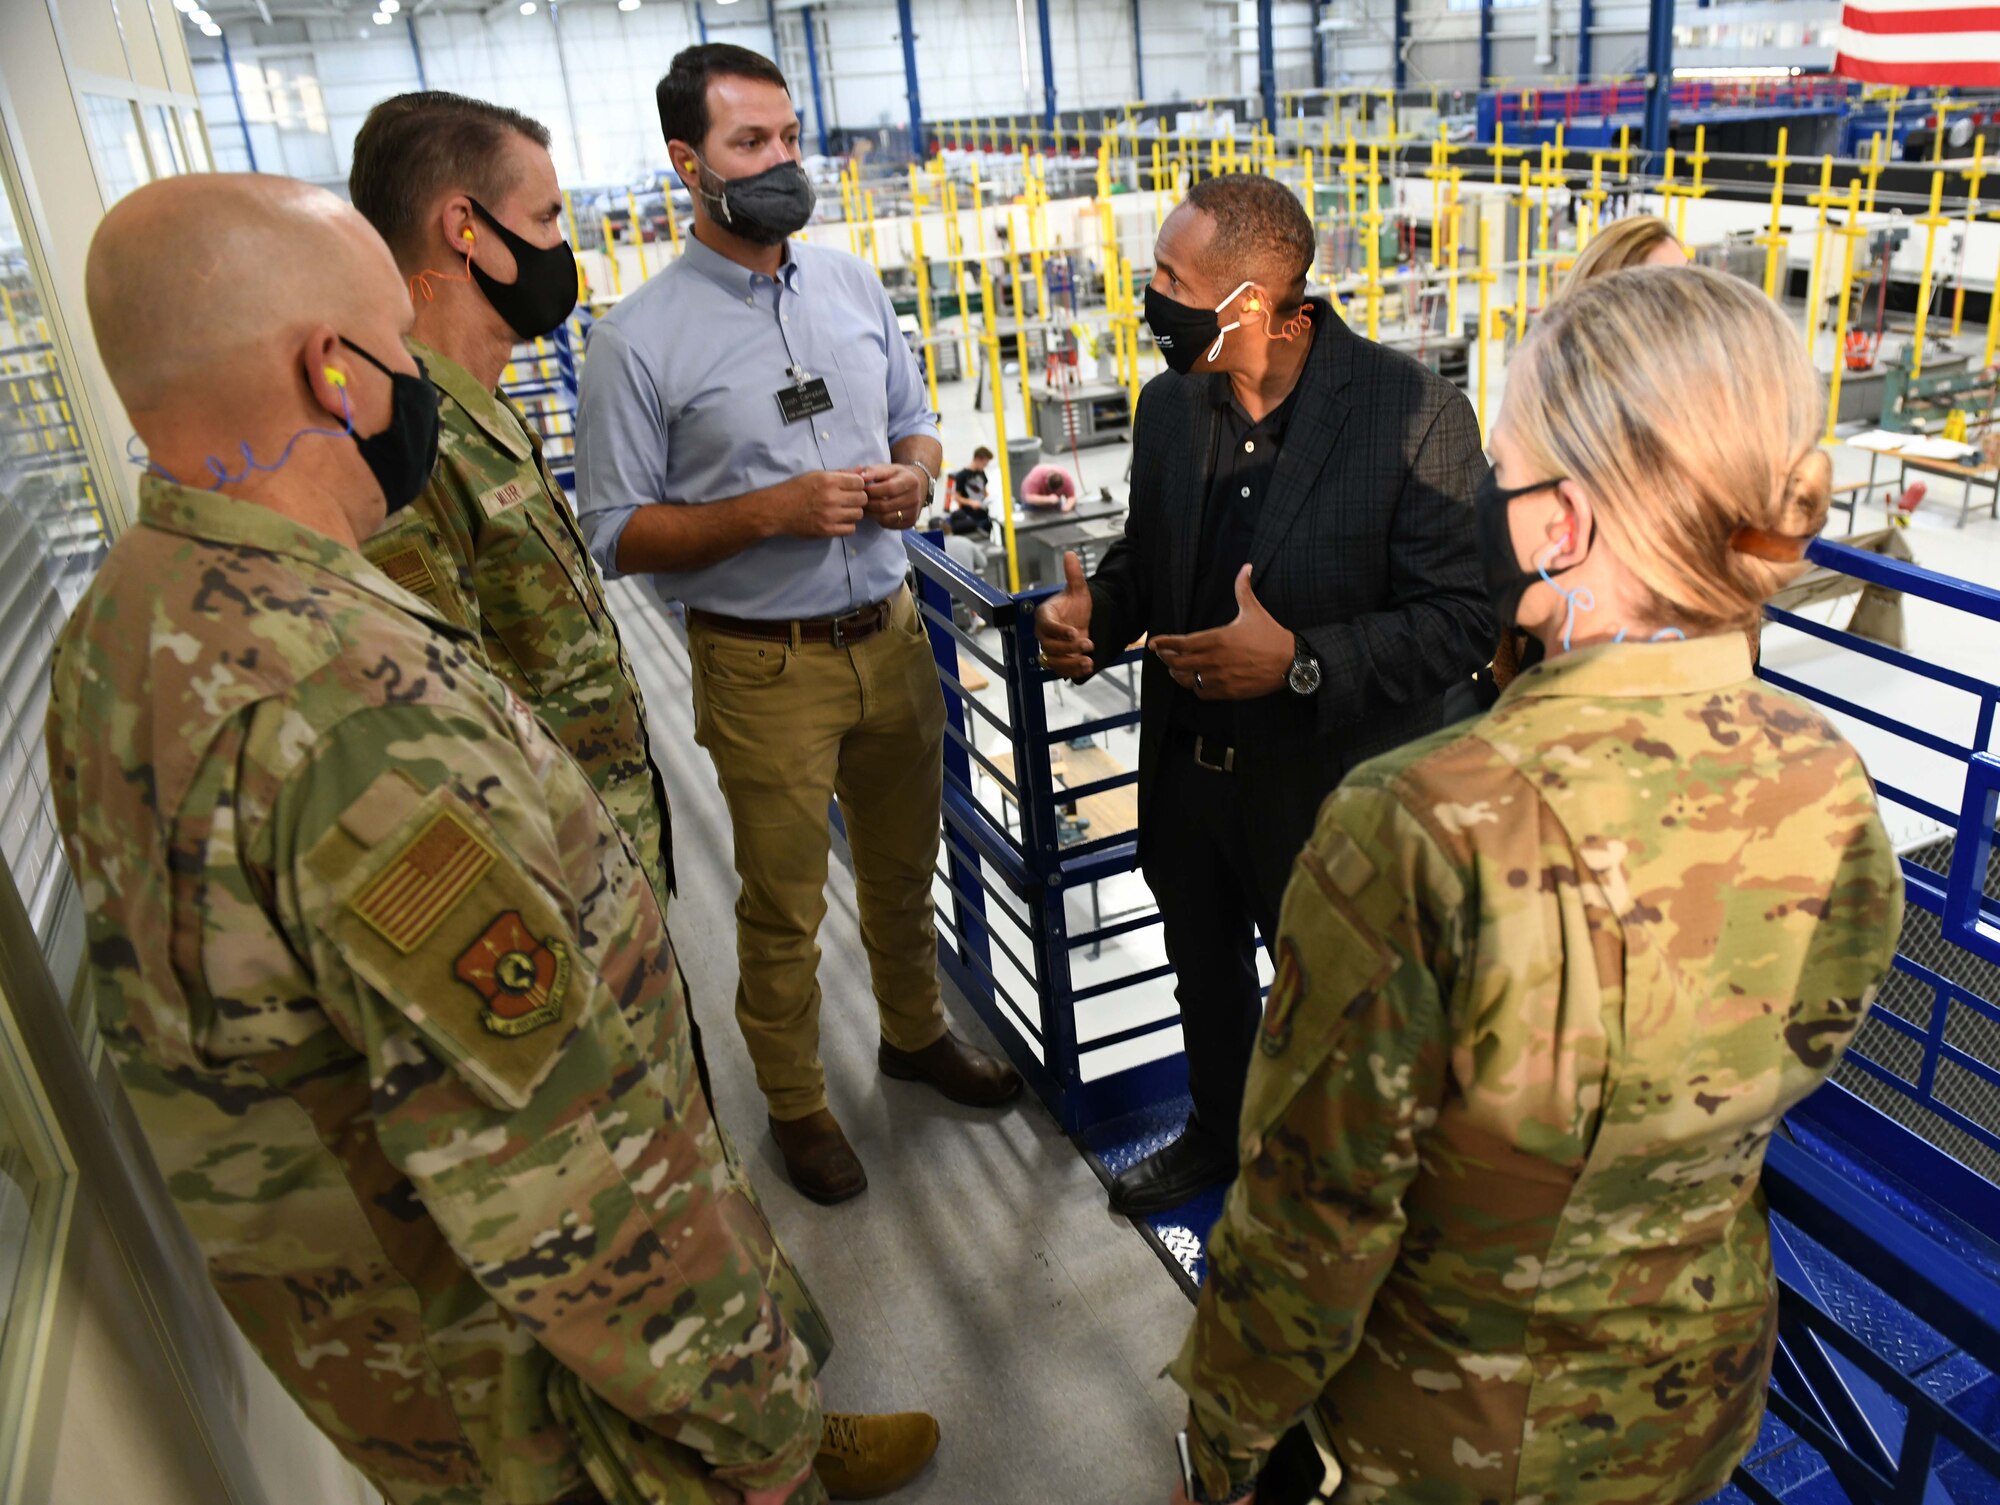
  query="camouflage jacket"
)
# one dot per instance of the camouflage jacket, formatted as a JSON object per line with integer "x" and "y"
{"x": 1546, "y": 983}
{"x": 398, "y": 1012}
{"x": 493, "y": 546}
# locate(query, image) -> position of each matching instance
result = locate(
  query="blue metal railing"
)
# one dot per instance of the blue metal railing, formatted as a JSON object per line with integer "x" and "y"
{"x": 1886, "y": 1385}
{"x": 1017, "y": 902}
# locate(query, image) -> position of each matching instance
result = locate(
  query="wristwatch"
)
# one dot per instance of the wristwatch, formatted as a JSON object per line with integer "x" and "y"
{"x": 930, "y": 481}
{"x": 1191, "y": 1483}
{"x": 1305, "y": 676}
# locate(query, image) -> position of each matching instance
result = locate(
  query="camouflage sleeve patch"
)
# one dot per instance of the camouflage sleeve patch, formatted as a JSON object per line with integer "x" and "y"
{"x": 432, "y": 916}
{"x": 1352, "y": 1065}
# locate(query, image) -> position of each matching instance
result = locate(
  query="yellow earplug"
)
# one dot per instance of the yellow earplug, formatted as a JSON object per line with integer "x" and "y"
{"x": 466, "y": 233}
{"x": 337, "y": 377}
{"x": 1252, "y": 305}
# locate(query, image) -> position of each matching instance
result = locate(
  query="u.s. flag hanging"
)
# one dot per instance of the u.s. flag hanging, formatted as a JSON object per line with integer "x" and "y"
{"x": 1920, "y": 42}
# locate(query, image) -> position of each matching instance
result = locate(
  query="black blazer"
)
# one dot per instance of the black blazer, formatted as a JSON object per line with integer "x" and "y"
{"x": 1364, "y": 548}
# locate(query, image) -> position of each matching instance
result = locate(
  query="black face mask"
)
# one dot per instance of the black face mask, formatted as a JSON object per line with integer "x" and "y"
{"x": 765, "y": 208}
{"x": 401, "y": 455}
{"x": 1182, "y": 332}
{"x": 1185, "y": 333}
{"x": 543, "y": 291}
{"x": 1506, "y": 581}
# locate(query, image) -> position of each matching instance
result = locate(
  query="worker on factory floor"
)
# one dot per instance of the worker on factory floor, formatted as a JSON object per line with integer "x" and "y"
{"x": 388, "y": 989}
{"x": 1049, "y": 488}
{"x": 1299, "y": 549}
{"x": 752, "y": 439}
{"x": 1547, "y": 982}
{"x": 966, "y": 487}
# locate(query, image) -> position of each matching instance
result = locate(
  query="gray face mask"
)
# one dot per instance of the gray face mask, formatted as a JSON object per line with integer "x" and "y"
{"x": 764, "y": 208}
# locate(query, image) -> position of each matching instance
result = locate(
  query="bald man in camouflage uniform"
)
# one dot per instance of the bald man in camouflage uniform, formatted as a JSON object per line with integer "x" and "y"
{"x": 390, "y": 992}
{"x": 453, "y": 185}
{"x": 1544, "y": 990}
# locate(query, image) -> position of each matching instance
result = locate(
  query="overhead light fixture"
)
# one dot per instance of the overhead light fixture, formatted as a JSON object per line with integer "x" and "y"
{"x": 199, "y": 17}
{"x": 390, "y": 7}
{"x": 628, "y": 5}
{"x": 184, "y": 6}
{"x": 211, "y": 30}
{"x": 527, "y": 7}
{"x": 380, "y": 18}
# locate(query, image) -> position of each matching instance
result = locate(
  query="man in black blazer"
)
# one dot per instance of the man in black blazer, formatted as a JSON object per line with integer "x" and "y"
{"x": 1299, "y": 555}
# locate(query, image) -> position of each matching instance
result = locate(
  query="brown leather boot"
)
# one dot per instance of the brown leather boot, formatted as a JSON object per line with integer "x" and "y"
{"x": 861, "y": 1457}
{"x": 818, "y": 1158}
{"x": 964, "y": 1073}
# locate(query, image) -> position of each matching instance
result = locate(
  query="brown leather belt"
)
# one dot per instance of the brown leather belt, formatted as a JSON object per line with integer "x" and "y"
{"x": 841, "y": 632}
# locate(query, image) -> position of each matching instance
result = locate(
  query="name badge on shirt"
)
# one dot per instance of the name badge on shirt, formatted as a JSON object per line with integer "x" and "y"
{"x": 500, "y": 498}
{"x": 804, "y": 399}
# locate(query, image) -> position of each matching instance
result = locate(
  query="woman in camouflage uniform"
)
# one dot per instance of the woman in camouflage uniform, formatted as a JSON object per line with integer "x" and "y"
{"x": 1548, "y": 980}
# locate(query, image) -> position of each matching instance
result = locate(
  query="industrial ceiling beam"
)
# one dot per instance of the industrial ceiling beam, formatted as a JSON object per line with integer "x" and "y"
{"x": 1139, "y": 53}
{"x": 1485, "y": 41}
{"x": 1267, "y": 60}
{"x": 1400, "y": 41}
{"x": 909, "y": 25}
{"x": 812, "y": 68}
{"x": 1659, "y": 79}
{"x": 1586, "y": 17}
{"x": 1048, "y": 68}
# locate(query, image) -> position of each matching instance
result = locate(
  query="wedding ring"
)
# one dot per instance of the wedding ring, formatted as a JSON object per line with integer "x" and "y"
{"x": 1197, "y": 680}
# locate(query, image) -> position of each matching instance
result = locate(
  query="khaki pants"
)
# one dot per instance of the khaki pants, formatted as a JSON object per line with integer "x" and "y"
{"x": 789, "y": 727}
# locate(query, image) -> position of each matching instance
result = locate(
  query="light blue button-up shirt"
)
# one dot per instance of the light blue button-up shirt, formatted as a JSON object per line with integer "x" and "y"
{"x": 679, "y": 405}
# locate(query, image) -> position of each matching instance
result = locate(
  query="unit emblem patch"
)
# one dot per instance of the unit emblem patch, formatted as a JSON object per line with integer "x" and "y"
{"x": 521, "y": 977}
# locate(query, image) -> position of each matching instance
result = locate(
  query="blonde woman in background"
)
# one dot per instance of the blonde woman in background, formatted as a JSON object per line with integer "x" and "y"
{"x": 1547, "y": 981}
{"x": 1639, "y": 240}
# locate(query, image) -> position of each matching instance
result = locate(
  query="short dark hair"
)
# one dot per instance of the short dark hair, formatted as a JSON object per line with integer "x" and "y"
{"x": 982, "y": 453}
{"x": 1261, "y": 231}
{"x": 413, "y": 147}
{"x": 683, "y": 92}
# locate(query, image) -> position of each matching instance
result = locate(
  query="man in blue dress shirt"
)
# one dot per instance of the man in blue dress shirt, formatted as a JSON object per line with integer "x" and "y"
{"x": 752, "y": 436}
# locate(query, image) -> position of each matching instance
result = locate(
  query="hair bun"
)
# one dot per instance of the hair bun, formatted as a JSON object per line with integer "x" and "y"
{"x": 1806, "y": 495}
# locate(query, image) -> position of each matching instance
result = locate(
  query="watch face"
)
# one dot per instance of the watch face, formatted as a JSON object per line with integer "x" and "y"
{"x": 1304, "y": 678}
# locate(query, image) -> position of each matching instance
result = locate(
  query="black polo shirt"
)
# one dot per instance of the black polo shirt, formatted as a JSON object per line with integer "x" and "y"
{"x": 1241, "y": 464}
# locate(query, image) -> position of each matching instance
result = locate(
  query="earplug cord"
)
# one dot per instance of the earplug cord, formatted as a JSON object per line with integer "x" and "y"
{"x": 422, "y": 281}
{"x": 219, "y": 475}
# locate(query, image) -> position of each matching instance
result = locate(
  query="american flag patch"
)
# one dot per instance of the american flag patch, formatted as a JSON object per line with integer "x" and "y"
{"x": 409, "y": 569}
{"x": 410, "y": 897}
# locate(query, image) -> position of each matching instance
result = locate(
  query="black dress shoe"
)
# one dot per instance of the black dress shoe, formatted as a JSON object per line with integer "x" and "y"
{"x": 1183, "y": 1170}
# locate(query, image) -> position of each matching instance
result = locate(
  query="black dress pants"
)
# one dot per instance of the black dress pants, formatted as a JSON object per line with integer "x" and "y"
{"x": 1217, "y": 850}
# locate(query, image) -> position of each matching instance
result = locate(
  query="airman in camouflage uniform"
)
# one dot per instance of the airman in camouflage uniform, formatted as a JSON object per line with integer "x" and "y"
{"x": 396, "y": 1006}
{"x": 1545, "y": 985}
{"x": 493, "y": 544}
{"x": 387, "y": 986}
